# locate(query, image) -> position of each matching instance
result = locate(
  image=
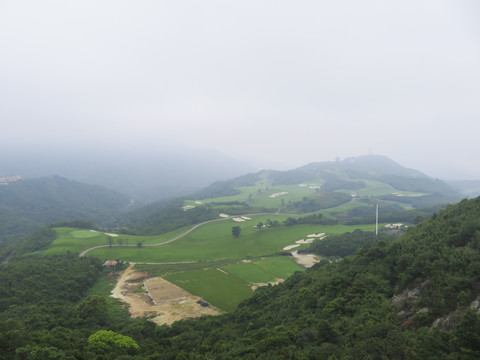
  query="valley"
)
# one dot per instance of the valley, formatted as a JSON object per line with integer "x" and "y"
{"x": 275, "y": 217}
{"x": 238, "y": 245}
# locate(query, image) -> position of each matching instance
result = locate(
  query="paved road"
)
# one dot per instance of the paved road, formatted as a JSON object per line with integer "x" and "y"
{"x": 83, "y": 253}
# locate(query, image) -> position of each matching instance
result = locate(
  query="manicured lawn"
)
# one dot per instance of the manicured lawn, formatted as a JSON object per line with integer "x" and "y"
{"x": 260, "y": 195}
{"x": 77, "y": 240}
{"x": 282, "y": 267}
{"x": 264, "y": 270}
{"x": 225, "y": 291}
{"x": 215, "y": 241}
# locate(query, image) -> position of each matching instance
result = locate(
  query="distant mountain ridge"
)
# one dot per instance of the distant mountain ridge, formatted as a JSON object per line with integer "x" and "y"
{"x": 146, "y": 173}
{"x": 367, "y": 180}
{"x": 29, "y": 203}
{"x": 371, "y": 164}
{"x": 347, "y": 174}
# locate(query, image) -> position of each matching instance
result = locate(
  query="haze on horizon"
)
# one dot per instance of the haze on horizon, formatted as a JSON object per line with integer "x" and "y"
{"x": 275, "y": 83}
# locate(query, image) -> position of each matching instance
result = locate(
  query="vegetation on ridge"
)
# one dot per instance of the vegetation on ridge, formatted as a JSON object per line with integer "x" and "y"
{"x": 415, "y": 297}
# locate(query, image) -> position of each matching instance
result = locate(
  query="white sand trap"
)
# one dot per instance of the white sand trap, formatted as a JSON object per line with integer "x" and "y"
{"x": 246, "y": 218}
{"x": 306, "y": 241}
{"x": 224, "y": 215}
{"x": 111, "y": 234}
{"x": 316, "y": 235}
{"x": 238, "y": 219}
{"x": 278, "y": 194}
{"x": 188, "y": 206}
{"x": 93, "y": 230}
{"x": 315, "y": 187}
{"x": 289, "y": 247}
{"x": 302, "y": 185}
{"x": 198, "y": 202}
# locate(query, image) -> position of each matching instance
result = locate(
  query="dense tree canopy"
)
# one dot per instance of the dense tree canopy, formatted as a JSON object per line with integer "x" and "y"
{"x": 414, "y": 297}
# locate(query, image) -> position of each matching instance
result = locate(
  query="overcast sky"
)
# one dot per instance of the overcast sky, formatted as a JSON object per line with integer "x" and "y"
{"x": 276, "y": 83}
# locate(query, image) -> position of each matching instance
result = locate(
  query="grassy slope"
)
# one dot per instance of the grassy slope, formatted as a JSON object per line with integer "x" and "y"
{"x": 209, "y": 242}
{"x": 215, "y": 241}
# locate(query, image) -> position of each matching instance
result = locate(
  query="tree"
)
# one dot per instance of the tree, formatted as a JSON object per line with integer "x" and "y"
{"x": 259, "y": 225}
{"x": 236, "y": 231}
{"x": 107, "y": 342}
{"x": 109, "y": 240}
{"x": 93, "y": 310}
{"x": 120, "y": 241}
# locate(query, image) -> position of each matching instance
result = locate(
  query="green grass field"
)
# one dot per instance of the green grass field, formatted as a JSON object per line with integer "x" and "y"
{"x": 77, "y": 240}
{"x": 225, "y": 291}
{"x": 226, "y": 286}
{"x": 215, "y": 270}
{"x": 264, "y": 270}
{"x": 260, "y": 195}
{"x": 215, "y": 241}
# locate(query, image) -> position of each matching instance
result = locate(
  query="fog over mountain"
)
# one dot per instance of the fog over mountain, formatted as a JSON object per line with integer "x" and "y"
{"x": 276, "y": 85}
{"x": 145, "y": 174}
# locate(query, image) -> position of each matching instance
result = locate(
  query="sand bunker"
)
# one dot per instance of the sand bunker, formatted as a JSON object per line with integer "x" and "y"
{"x": 278, "y": 194}
{"x": 306, "y": 241}
{"x": 224, "y": 215}
{"x": 316, "y": 235}
{"x": 289, "y": 247}
{"x": 113, "y": 235}
{"x": 246, "y": 218}
{"x": 238, "y": 219}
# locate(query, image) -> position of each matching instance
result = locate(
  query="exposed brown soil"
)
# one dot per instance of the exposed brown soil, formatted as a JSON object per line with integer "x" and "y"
{"x": 174, "y": 302}
{"x": 305, "y": 260}
{"x": 276, "y": 282}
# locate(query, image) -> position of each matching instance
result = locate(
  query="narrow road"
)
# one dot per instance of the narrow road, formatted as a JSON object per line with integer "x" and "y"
{"x": 83, "y": 253}
{"x": 117, "y": 290}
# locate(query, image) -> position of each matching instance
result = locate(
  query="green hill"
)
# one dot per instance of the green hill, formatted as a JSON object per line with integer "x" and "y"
{"x": 415, "y": 297}
{"x": 31, "y": 203}
{"x": 345, "y": 190}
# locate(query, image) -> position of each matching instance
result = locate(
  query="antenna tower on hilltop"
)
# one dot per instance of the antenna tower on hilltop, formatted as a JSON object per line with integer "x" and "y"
{"x": 376, "y": 222}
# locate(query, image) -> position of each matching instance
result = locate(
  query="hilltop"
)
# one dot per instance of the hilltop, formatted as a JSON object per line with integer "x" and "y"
{"x": 345, "y": 190}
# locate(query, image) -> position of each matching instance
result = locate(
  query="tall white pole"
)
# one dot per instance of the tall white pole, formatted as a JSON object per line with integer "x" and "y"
{"x": 376, "y": 222}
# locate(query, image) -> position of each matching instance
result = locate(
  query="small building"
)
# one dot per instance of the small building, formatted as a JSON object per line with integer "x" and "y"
{"x": 110, "y": 264}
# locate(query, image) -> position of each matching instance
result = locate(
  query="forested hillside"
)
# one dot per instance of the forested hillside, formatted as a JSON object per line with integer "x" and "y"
{"x": 415, "y": 297}
{"x": 26, "y": 205}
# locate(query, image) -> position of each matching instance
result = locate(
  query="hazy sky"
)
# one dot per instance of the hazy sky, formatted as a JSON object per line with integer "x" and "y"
{"x": 277, "y": 83}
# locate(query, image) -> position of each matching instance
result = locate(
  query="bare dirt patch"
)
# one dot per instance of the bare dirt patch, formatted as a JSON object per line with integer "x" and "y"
{"x": 141, "y": 305}
{"x": 162, "y": 292}
{"x": 276, "y": 282}
{"x": 305, "y": 260}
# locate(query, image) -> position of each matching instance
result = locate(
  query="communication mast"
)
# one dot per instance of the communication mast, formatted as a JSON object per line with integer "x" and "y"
{"x": 376, "y": 222}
